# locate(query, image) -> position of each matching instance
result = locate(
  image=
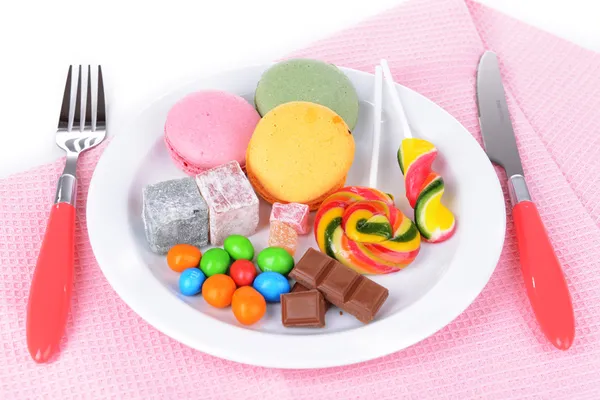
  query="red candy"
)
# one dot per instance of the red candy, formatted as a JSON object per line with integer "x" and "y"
{"x": 242, "y": 272}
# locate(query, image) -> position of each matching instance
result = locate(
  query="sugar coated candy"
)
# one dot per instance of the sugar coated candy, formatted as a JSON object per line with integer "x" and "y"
{"x": 232, "y": 203}
{"x": 242, "y": 272}
{"x": 271, "y": 285}
{"x": 248, "y": 305}
{"x": 275, "y": 259}
{"x": 174, "y": 212}
{"x": 284, "y": 236}
{"x": 190, "y": 281}
{"x": 293, "y": 214}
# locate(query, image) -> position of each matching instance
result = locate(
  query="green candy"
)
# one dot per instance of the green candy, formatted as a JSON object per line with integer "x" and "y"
{"x": 215, "y": 261}
{"x": 239, "y": 247}
{"x": 275, "y": 259}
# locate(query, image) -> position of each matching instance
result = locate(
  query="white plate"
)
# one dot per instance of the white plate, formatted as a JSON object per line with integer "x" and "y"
{"x": 444, "y": 279}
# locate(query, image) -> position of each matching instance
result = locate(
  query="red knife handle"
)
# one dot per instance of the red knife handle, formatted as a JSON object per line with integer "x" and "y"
{"x": 546, "y": 286}
{"x": 50, "y": 292}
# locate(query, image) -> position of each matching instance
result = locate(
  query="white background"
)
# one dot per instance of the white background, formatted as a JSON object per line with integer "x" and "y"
{"x": 146, "y": 48}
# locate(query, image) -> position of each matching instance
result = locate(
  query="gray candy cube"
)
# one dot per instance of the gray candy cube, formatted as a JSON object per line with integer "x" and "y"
{"x": 174, "y": 212}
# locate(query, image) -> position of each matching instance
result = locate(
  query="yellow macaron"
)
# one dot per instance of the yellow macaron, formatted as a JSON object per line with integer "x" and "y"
{"x": 299, "y": 152}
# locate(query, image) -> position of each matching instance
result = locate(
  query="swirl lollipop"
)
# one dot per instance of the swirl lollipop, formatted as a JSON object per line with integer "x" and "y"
{"x": 424, "y": 187}
{"x": 424, "y": 190}
{"x": 362, "y": 228}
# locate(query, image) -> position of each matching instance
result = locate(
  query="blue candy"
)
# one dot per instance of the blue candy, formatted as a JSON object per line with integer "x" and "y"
{"x": 190, "y": 281}
{"x": 271, "y": 285}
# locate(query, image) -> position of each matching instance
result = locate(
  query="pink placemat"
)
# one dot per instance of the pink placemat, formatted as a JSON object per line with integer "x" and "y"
{"x": 494, "y": 350}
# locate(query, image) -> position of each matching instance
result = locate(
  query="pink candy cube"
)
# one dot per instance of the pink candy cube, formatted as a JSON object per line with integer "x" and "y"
{"x": 232, "y": 203}
{"x": 293, "y": 214}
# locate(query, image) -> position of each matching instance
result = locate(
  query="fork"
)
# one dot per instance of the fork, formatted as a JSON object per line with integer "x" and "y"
{"x": 50, "y": 291}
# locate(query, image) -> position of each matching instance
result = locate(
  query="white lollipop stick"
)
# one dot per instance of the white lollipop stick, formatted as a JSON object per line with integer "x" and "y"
{"x": 378, "y": 92}
{"x": 396, "y": 103}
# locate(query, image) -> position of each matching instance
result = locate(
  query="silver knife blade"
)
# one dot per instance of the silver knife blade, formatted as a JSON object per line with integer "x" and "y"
{"x": 494, "y": 119}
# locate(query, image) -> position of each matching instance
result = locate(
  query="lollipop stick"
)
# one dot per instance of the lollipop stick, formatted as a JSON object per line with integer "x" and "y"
{"x": 396, "y": 103}
{"x": 376, "y": 127}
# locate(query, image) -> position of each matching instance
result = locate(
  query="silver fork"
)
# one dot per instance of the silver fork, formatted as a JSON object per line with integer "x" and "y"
{"x": 50, "y": 292}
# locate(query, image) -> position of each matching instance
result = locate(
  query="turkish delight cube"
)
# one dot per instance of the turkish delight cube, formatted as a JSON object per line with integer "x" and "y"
{"x": 174, "y": 212}
{"x": 283, "y": 235}
{"x": 293, "y": 214}
{"x": 232, "y": 203}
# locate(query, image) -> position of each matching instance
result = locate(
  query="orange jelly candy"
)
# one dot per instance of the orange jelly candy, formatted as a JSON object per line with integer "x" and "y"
{"x": 283, "y": 235}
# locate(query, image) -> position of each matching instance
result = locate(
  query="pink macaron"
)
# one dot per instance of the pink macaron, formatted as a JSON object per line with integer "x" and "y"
{"x": 209, "y": 128}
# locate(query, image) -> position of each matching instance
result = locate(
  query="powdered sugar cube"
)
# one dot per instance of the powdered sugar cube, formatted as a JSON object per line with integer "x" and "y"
{"x": 232, "y": 203}
{"x": 174, "y": 212}
{"x": 293, "y": 214}
{"x": 284, "y": 236}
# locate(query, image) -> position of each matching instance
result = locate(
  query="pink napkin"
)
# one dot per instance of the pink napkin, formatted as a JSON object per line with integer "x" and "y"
{"x": 494, "y": 350}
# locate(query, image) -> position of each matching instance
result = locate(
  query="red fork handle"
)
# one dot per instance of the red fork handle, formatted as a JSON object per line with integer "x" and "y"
{"x": 50, "y": 292}
{"x": 546, "y": 286}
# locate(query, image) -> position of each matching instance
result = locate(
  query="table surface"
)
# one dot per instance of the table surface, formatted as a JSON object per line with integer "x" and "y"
{"x": 146, "y": 50}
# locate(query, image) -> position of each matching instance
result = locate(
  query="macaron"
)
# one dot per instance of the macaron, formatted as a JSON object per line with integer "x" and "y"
{"x": 309, "y": 80}
{"x": 209, "y": 128}
{"x": 300, "y": 152}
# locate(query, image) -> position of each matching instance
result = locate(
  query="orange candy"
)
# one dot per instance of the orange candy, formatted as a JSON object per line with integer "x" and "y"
{"x": 183, "y": 256}
{"x": 218, "y": 290}
{"x": 283, "y": 235}
{"x": 248, "y": 305}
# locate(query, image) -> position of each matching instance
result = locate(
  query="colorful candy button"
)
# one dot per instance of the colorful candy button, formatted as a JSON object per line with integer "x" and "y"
{"x": 183, "y": 256}
{"x": 243, "y": 272}
{"x": 271, "y": 285}
{"x": 239, "y": 247}
{"x": 215, "y": 261}
{"x": 190, "y": 281}
{"x": 275, "y": 259}
{"x": 248, "y": 305}
{"x": 218, "y": 290}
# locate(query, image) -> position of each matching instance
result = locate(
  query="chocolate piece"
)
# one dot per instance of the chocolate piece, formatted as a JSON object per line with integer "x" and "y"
{"x": 300, "y": 288}
{"x": 303, "y": 309}
{"x": 315, "y": 266}
{"x": 343, "y": 287}
{"x": 366, "y": 300}
{"x": 339, "y": 283}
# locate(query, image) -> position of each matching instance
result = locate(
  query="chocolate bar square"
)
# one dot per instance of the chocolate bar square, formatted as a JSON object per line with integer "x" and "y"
{"x": 366, "y": 300}
{"x": 311, "y": 269}
{"x": 303, "y": 309}
{"x": 301, "y": 288}
{"x": 339, "y": 283}
{"x": 298, "y": 288}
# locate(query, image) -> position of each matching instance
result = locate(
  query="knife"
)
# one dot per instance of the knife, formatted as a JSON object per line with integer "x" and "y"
{"x": 545, "y": 282}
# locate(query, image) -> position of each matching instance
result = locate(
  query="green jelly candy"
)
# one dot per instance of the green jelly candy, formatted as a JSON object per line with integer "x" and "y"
{"x": 275, "y": 259}
{"x": 215, "y": 261}
{"x": 239, "y": 247}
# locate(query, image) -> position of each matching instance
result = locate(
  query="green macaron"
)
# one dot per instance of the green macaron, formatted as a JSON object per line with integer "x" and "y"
{"x": 308, "y": 80}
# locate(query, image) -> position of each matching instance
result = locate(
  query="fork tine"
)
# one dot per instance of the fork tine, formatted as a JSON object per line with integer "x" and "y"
{"x": 101, "y": 108}
{"x": 88, "y": 103}
{"x": 77, "y": 117}
{"x": 63, "y": 120}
